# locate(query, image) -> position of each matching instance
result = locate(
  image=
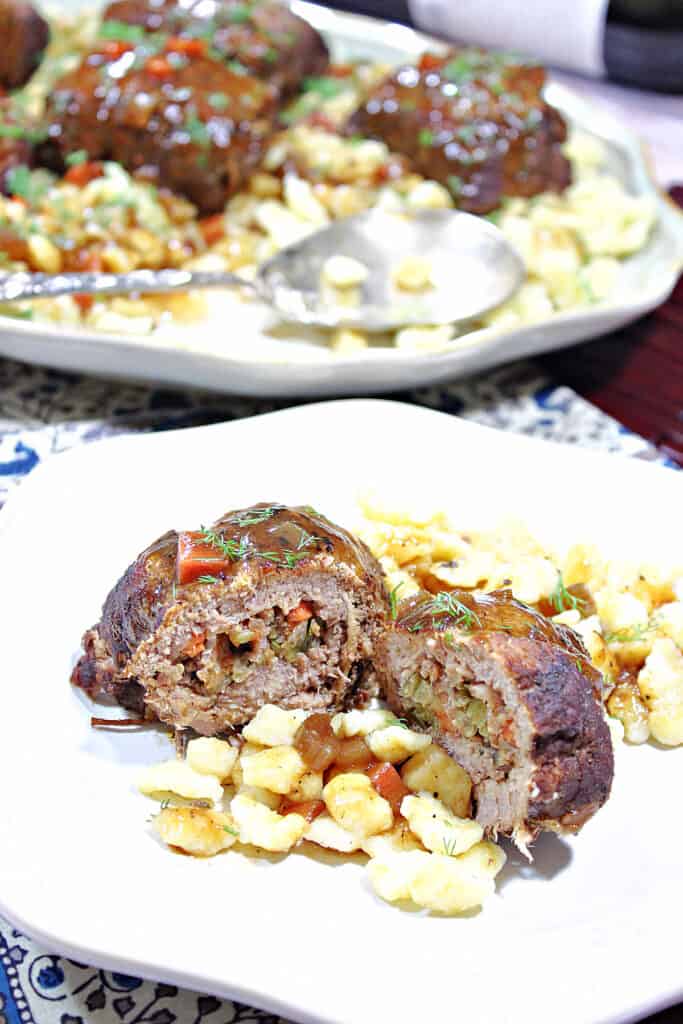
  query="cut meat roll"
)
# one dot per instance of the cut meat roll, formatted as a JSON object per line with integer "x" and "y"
{"x": 270, "y": 605}
{"x": 512, "y": 697}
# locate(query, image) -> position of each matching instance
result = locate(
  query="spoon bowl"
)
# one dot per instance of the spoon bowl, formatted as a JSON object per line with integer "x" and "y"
{"x": 473, "y": 269}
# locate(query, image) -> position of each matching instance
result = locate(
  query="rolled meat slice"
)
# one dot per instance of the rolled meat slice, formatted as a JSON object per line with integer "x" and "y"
{"x": 265, "y": 37}
{"x": 270, "y": 605}
{"x": 515, "y": 700}
{"x": 475, "y": 121}
{"x": 182, "y": 120}
{"x": 25, "y": 34}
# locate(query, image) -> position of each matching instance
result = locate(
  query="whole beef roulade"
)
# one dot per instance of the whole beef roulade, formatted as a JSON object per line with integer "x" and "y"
{"x": 270, "y": 605}
{"x": 512, "y": 696}
{"x": 265, "y": 37}
{"x": 475, "y": 121}
{"x": 184, "y": 120}
{"x": 24, "y": 34}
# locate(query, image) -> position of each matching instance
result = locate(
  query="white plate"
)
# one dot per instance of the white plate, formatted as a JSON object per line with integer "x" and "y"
{"x": 590, "y": 933}
{"x": 258, "y": 362}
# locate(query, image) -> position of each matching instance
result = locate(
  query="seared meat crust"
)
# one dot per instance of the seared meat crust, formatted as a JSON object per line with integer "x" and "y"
{"x": 513, "y": 697}
{"x": 292, "y": 619}
{"x": 269, "y": 40}
{"x": 24, "y": 33}
{"x": 474, "y": 121}
{"x": 199, "y": 130}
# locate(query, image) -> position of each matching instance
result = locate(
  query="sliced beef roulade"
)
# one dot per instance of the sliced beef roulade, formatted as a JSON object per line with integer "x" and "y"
{"x": 512, "y": 697}
{"x": 269, "y": 605}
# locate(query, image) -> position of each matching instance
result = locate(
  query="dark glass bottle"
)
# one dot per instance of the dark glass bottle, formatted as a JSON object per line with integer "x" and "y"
{"x": 644, "y": 43}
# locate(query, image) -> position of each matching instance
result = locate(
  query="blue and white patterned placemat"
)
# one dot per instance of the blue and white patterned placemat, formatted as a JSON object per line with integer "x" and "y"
{"x": 43, "y": 412}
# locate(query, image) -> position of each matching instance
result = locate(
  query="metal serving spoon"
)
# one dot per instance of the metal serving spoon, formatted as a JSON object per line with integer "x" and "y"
{"x": 473, "y": 268}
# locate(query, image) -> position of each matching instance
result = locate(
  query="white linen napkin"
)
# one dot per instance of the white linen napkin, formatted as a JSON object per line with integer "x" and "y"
{"x": 566, "y": 33}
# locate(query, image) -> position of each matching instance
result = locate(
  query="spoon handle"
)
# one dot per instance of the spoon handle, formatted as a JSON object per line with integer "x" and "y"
{"x": 22, "y": 285}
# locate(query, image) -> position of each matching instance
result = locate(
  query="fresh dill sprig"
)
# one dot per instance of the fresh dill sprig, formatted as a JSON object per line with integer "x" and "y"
{"x": 450, "y": 846}
{"x": 207, "y": 579}
{"x": 393, "y": 599}
{"x": 254, "y": 516}
{"x": 562, "y": 600}
{"x": 306, "y": 539}
{"x": 230, "y": 831}
{"x": 232, "y": 549}
{"x": 447, "y": 605}
{"x": 629, "y": 634}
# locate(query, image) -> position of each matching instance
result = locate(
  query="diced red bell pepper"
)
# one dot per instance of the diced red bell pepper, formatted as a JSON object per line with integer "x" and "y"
{"x": 430, "y": 61}
{"x": 189, "y": 47}
{"x": 82, "y": 174}
{"x": 212, "y": 228}
{"x": 308, "y": 809}
{"x": 197, "y": 558}
{"x": 115, "y": 48}
{"x": 159, "y": 67}
{"x": 388, "y": 784}
{"x": 301, "y": 613}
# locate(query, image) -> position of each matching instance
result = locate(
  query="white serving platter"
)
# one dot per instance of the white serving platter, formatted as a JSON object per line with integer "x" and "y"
{"x": 260, "y": 357}
{"x": 589, "y": 934}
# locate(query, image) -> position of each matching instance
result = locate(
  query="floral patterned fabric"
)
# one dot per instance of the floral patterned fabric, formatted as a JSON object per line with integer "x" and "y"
{"x": 43, "y": 412}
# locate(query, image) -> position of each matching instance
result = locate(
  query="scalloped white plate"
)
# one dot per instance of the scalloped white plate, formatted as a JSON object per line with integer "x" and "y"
{"x": 590, "y": 934}
{"x": 262, "y": 358}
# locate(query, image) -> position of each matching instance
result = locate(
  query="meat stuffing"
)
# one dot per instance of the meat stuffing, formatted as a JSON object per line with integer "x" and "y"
{"x": 270, "y": 605}
{"x": 181, "y": 120}
{"x": 512, "y": 697}
{"x": 474, "y": 121}
{"x": 266, "y": 38}
{"x": 24, "y": 35}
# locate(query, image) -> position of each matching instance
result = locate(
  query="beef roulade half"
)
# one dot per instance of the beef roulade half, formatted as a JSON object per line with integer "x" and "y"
{"x": 512, "y": 696}
{"x": 270, "y": 605}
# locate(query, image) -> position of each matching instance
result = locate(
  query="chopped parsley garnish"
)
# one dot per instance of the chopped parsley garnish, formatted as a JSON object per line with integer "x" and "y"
{"x": 240, "y": 13}
{"x": 270, "y": 55}
{"x": 326, "y": 88}
{"x": 207, "y": 579}
{"x": 426, "y": 137}
{"x": 30, "y": 185}
{"x": 79, "y": 156}
{"x": 12, "y": 131}
{"x": 197, "y": 131}
{"x": 237, "y": 67}
{"x": 17, "y": 131}
{"x": 230, "y": 831}
{"x": 468, "y": 134}
{"x": 455, "y": 184}
{"x": 562, "y": 600}
{"x": 120, "y": 31}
